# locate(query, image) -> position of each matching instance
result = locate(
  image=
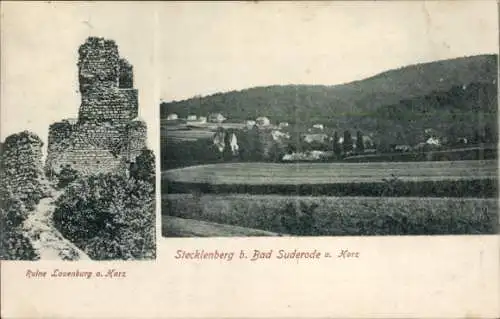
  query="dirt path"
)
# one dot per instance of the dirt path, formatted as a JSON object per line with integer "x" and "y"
{"x": 45, "y": 238}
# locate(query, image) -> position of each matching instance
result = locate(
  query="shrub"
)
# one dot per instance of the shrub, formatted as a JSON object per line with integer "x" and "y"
{"x": 66, "y": 176}
{"x": 13, "y": 210}
{"x": 109, "y": 217}
{"x": 144, "y": 168}
{"x": 14, "y": 245}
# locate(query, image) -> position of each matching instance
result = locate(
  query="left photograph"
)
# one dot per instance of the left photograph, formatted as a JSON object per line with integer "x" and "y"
{"x": 84, "y": 188}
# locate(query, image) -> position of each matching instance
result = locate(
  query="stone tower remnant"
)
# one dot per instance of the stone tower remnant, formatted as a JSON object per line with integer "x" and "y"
{"x": 107, "y": 136}
{"x": 21, "y": 168}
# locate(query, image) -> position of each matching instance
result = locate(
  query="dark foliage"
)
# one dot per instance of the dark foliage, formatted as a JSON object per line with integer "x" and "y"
{"x": 360, "y": 146}
{"x": 477, "y": 188}
{"x": 109, "y": 217}
{"x": 144, "y": 167}
{"x": 66, "y": 176}
{"x": 347, "y": 145}
{"x": 16, "y": 246}
{"x": 13, "y": 244}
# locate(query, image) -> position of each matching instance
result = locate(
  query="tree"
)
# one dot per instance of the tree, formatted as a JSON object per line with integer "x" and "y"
{"x": 255, "y": 145}
{"x": 347, "y": 145}
{"x": 227, "y": 153}
{"x": 337, "y": 150}
{"x": 276, "y": 152}
{"x": 360, "y": 146}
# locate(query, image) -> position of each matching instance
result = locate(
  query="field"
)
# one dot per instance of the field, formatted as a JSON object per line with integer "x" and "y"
{"x": 338, "y": 216}
{"x": 334, "y": 199}
{"x": 186, "y": 135}
{"x": 328, "y": 173}
{"x": 193, "y": 132}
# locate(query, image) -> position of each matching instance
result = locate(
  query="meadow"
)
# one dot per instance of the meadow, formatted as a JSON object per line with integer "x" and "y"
{"x": 338, "y": 216}
{"x": 327, "y": 173}
{"x": 333, "y": 199}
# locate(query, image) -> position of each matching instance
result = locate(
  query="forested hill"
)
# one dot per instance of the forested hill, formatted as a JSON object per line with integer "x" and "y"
{"x": 340, "y": 103}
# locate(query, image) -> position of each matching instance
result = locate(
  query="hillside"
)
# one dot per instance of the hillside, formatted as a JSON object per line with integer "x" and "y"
{"x": 337, "y": 105}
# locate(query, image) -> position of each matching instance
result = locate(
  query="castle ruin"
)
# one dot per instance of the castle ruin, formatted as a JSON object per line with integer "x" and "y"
{"x": 21, "y": 168}
{"x": 107, "y": 136}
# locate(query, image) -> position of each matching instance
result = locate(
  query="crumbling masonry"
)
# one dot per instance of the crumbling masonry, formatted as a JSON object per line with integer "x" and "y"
{"x": 21, "y": 169}
{"x": 107, "y": 136}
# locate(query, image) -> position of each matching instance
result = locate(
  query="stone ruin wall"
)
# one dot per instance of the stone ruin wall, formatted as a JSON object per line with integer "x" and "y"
{"x": 105, "y": 137}
{"x": 136, "y": 137}
{"x": 95, "y": 147}
{"x": 98, "y": 65}
{"x": 111, "y": 104}
{"x": 106, "y": 83}
{"x": 88, "y": 147}
{"x": 21, "y": 168}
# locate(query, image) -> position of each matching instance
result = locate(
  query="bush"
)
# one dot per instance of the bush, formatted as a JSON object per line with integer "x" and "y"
{"x": 14, "y": 245}
{"x": 297, "y": 218}
{"x": 13, "y": 210}
{"x": 109, "y": 217}
{"x": 66, "y": 176}
{"x": 144, "y": 168}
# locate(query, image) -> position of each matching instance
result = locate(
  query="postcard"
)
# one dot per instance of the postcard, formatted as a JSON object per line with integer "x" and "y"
{"x": 300, "y": 159}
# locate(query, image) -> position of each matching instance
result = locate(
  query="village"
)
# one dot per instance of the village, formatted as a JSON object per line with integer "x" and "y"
{"x": 313, "y": 142}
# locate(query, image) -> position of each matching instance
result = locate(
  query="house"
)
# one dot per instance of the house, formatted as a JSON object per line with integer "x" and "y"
{"x": 250, "y": 123}
{"x": 279, "y": 136}
{"x": 172, "y": 117}
{"x": 283, "y": 125}
{"x": 306, "y": 156}
{"x": 202, "y": 119}
{"x": 433, "y": 141}
{"x": 216, "y": 118}
{"x": 192, "y": 120}
{"x": 262, "y": 121}
{"x": 318, "y": 138}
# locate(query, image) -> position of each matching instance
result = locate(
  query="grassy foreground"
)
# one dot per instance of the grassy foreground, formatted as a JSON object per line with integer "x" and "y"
{"x": 339, "y": 216}
{"x": 184, "y": 227}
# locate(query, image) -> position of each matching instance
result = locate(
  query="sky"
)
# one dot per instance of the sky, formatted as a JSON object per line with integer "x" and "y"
{"x": 183, "y": 49}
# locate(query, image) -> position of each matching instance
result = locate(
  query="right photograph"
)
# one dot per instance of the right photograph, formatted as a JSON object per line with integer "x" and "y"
{"x": 334, "y": 119}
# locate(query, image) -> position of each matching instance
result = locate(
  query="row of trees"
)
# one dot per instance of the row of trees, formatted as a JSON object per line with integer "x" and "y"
{"x": 348, "y": 145}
